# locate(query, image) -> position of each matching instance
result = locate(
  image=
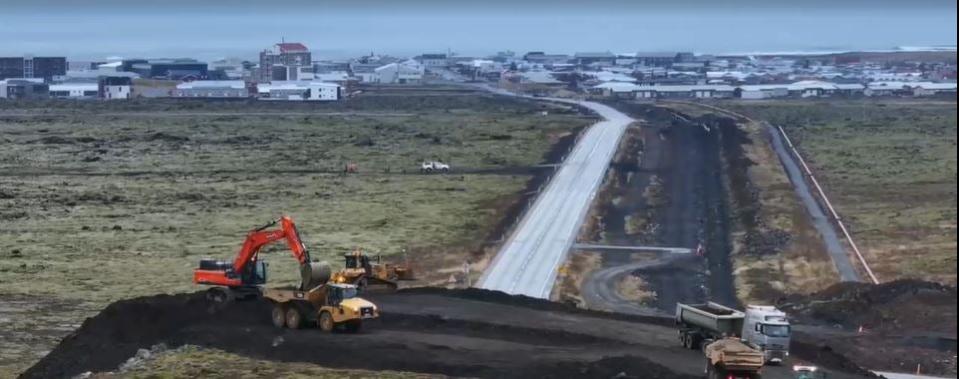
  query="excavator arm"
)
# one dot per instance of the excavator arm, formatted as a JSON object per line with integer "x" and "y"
{"x": 237, "y": 273}
{"x": 260, "y": 237}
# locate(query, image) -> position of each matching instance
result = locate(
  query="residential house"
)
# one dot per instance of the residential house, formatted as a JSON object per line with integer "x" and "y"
{"x": 115, "y": 87}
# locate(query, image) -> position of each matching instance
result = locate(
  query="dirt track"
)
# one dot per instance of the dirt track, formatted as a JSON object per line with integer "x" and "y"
{"x": 460, "y": 333}
{"x": 685, "y": 157}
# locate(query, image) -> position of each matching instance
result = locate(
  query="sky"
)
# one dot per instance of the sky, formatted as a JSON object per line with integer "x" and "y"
{"x": 97, "y": 29}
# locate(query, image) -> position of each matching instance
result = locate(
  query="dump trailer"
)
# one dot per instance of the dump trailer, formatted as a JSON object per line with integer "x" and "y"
{"x": 732, "y": 358}
{"x": 330, "y": 306}
{"x": 699, "y": 323}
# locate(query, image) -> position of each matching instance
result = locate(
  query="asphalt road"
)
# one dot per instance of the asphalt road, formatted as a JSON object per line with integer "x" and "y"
{"x": 528, "y": 262}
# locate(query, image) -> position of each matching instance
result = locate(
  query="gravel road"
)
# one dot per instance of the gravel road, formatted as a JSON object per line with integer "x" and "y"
{"x": 528, "y": 262}
{"x": 847, "y": 272}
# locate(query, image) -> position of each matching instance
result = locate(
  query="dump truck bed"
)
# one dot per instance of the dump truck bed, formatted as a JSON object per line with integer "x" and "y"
{"x": 732, "y": 354}
{"x": 715, "y": 318}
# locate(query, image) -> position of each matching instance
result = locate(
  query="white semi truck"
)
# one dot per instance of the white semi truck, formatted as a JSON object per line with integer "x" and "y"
{"x": 768, "y": 328}
{"x": 764, "y": 327}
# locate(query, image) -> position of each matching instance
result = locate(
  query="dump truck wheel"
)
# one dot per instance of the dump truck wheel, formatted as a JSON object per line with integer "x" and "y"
{"x": 279, "y": 315}
{"x": 326, "y": 321}
{"x": 294, "y": 320}
{"x": 362, "y": 284}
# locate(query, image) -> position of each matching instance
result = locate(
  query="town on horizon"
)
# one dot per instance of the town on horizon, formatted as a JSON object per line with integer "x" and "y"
{"x": 287, "y": 69}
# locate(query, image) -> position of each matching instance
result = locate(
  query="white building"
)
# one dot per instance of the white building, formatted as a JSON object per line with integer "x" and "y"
{"x": 116, "y": 87}
{"x": 703, "y": 91}
{"x": 763, "y": 91}
{"x": 212, "y": 89}
{"x": 299, "y": 91}
{"x": 433, "y": 60}
{"x": 932, "y": 89}
{"x": 74, "y": 90}
{"x": 399, "y": 73}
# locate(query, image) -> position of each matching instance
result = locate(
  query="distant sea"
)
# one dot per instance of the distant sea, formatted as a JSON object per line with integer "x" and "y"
{"x": 97, "y": 29}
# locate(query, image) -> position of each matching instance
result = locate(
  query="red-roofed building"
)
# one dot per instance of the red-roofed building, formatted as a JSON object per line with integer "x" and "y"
{"x": 285, "y": 61}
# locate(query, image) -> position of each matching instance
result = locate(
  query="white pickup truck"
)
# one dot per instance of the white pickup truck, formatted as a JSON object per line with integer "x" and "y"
{"x": 434, "y": 166}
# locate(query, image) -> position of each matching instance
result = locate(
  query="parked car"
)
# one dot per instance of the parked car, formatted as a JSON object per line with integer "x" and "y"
{"x": 434, "y": 166}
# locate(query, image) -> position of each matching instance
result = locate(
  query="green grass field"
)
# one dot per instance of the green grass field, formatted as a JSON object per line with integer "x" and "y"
{"x": 890, "y": 169}
{"x": 104, "y": 201}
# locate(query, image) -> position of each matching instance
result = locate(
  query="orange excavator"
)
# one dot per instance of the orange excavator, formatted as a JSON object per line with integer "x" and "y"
{"x": 242, "y": 277}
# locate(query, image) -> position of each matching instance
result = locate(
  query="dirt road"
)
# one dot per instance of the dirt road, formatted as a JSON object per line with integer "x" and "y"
{"x": 460, "y": 333}
{"x": 682, "y": 159}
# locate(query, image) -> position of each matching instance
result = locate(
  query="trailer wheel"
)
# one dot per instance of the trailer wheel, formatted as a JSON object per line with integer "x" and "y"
{"x": 279, "y": 315}
{"x": 326, "y": 321}
{"x": 294, "y": 319}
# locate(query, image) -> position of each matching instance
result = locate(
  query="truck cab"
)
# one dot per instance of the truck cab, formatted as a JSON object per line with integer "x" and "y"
{"x": 768, "y": 328}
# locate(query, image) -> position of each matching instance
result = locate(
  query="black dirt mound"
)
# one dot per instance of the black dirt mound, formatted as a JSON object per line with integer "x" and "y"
{"x": 628, "y": 367}
{"x": 405, "y": 342}
{"x": 104, "y": 341}
{"x": 825, "y": 356}
{"x": 906, "y": 305}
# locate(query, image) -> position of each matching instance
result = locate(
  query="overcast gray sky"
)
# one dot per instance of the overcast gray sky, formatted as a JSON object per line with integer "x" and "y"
{"x": 210, "y": 29}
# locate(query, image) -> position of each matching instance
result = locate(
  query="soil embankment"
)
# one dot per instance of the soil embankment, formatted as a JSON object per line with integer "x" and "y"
{"x": 412, "y": 335}
{"x": 471, "y": 333}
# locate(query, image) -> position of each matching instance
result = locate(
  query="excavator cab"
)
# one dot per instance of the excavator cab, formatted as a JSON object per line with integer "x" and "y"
{"x": 252, "y": 275}
{"x": 255, "y": 274}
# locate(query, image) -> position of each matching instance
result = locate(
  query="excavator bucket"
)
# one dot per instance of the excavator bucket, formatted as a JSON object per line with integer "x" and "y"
{"x": 313, "y": 274}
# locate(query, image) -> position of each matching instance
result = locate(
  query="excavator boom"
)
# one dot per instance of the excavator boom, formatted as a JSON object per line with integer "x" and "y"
{"x": 244, "y": 271}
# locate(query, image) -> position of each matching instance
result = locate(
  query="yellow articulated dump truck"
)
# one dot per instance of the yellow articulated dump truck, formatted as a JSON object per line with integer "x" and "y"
{"x": 331, "y": 306}
{"x": 732, "y": 358}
